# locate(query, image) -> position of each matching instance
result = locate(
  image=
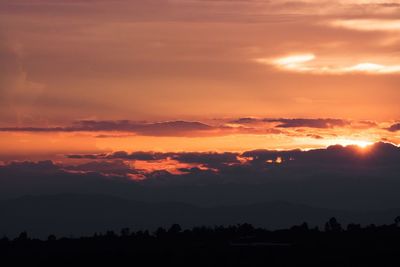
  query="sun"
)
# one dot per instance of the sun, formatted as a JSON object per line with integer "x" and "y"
{"x": 360, "y": 143}
{"x": 348, "y": 142}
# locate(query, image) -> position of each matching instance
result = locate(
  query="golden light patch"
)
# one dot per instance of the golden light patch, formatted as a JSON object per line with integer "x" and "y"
{"x": 309, "y": 63}
{"x": 368, "y": 24}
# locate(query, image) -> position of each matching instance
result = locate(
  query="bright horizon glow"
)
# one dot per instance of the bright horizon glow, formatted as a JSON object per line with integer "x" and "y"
{"x": 349, "y": 142}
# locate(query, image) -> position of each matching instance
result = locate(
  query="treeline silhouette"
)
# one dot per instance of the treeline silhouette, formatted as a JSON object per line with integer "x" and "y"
{"x": 237, "y": 245}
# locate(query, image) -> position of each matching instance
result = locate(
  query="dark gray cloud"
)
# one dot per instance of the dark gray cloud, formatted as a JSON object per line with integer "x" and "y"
{"x": 212, "y": 160}
{"x": 139, "y": 155}
{"x": 123, "y": 155}
{"x": 115, "y": 168}
{"x": 363, "y": 178}
{"x": 320, "y": 123}
{"x": 309, "y": 123}
{"x": 395, "y": 127}
{"x": 180, "y": 128}
{"x": 85, "y": 156}
{"x": 245, "y": 120}
{"x": 128, "y": 128}
{"x": 168, "y": 128}
{"x": 378, "y": 153}
{"x": 208, "y": 159}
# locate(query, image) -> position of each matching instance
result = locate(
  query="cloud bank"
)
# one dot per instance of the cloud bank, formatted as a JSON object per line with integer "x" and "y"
{"x": 366, "y": 177}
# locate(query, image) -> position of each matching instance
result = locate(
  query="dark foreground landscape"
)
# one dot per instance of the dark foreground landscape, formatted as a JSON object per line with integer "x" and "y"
{"x": 239, "y": 245}
{"x": 69, "y": 230}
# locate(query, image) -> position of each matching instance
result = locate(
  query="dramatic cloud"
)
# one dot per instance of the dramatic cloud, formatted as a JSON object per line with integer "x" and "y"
{"x": 169, "y": 128}
{"x": 366, "y": 177}
{"x": 394, "y": 127}
{"x": 309, "y": 123}
{"x": 206, "y": 159}
{"x": 245, "y": 120}
{"x": 378, "y": 153}
{"x": 109, "y": 168}
{"x": 182, "y": 128}
{"x": 224, "y": 134}
{"x": 212, "y": 160}
{"x": 147, "y": 156}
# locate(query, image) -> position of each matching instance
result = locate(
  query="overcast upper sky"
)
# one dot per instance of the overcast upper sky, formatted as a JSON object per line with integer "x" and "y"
{"x": 184, "y": 75}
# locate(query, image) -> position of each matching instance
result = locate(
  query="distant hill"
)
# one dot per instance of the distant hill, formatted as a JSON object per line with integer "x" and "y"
{"x": 79, "y": 215}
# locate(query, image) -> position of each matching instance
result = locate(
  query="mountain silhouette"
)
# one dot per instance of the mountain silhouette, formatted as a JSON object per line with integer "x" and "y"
{"x": 77, "y": 215}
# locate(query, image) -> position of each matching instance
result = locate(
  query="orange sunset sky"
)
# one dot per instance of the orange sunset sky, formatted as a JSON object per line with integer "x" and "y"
{"x": 98, "y": 76}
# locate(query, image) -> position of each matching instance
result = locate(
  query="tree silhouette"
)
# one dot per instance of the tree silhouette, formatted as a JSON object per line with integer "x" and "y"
{"x": 333, "y": 225}
{"x": 160, "y": 232}
{"x": 236, "y": 245}
{"x": 51, "y": 238}
{"x": 397, "y": 221}
{"x": 353, "y": 227}
{"x": 22, "y": 236}
{"x": 125, "y": 232}
{"x": 175, "y": 229}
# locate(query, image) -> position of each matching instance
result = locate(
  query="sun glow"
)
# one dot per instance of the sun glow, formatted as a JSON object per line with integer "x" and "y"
{"x": 368, "y": 24}
{"x": 309, "y": 63}
{"x": 294, "y": 60}
{"x": 349, "y": 142}
{"x": 362, "y": 144}
{"x": 373, "y": 68}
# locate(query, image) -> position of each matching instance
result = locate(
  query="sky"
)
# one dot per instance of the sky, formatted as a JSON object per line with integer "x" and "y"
{"x": 84, "y": 80}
